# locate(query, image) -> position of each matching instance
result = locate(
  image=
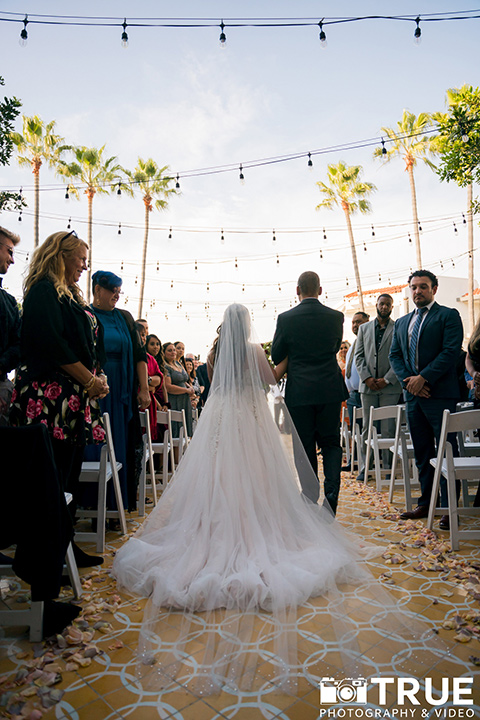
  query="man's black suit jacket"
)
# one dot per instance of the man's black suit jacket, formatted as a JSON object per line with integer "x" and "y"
{"x": 311, "y": 335}
{"x": 439, "y": 347}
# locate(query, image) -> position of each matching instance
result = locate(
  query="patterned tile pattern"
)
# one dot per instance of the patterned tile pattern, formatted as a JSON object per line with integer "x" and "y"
{"x": 426, "y": 579}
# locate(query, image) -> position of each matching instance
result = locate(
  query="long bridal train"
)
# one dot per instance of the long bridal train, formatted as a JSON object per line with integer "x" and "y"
{"x": 249, "y": 582}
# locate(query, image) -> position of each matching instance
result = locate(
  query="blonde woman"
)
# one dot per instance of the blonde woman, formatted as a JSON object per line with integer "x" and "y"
{"x": 59, "y": 381}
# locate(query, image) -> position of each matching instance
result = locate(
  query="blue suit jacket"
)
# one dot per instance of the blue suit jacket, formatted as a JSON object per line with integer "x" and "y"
{"x": 439, "y": 347}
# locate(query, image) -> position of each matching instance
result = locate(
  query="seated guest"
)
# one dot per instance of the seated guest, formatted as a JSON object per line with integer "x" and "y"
{"x": 126, "y": 369}
{"x": 59, "y": 381}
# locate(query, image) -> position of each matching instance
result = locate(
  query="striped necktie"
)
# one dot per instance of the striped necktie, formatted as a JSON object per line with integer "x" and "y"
{"x": 412, "y": 351}
{"x": 348, "y": 371}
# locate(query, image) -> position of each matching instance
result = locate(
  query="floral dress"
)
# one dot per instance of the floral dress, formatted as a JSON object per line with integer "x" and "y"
{"x": 59, "y": 402}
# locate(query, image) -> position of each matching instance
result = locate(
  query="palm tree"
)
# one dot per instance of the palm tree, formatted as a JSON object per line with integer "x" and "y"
{"x": 38, "y": 144}
{"x": 98, "y": 176}
{"x": 154, "y": 186}
{"x": 409, "y": 142}
{"x": 346, "y": 190}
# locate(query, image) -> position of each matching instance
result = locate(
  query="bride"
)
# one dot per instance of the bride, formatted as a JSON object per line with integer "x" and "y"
{"x": 233, "y": 542}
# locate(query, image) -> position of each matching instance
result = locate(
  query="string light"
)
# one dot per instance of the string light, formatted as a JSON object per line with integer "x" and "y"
{"x": 20, "y": 216}
{"x": 384, "y": 149}
{"x": 310, "y": 162}
{"x": 67, "y": 195}
{"x": 417, "y": 35}
{"x": 121, "y": 267}
{"x": 177, "y": 184}
{"x": 455, "y": 229}
{"x": 373, "y": 231}
{"x": 278, "y": 260}
{"x": 322, "y": 35}
{"x": 124, "y": 38}
{"x": 196, "y": 265}
{"x": 69, "y": 223}
{"x": 119, "y": 229}
{"x": 24, "y": 34}
{"x": 170, "y": 234}
{"x": 241, "y": 176}
{"x": 223, "y": 37}
{"x": 419, "y": 226}
{"x": 409, "y": 238}
{"x": 321, "y": 254}
{"x": 324, "y": 234}
{"x": 158, "y": 266}
{"x": 464, "y": 221}
{"x": 364, "y": 247}
{"x": 236, "y": 264}
{"x": 222, "y": 238}
{"x": 274, "y": 239}
{"x": 119, "y": 190}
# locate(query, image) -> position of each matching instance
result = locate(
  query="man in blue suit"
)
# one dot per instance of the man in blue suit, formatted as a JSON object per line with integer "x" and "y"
{"x": 425, "y": 349}
{"x": 311, "y": 335}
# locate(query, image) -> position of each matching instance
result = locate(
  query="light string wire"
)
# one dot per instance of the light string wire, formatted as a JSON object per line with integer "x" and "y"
{"x": 112, "y": 21}
{"x": 233, "y": 167}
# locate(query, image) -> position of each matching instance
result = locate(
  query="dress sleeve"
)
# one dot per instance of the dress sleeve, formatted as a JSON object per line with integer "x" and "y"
{"x": 43, "y": 331}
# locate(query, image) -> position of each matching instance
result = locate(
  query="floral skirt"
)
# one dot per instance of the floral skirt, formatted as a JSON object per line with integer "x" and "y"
{"x": 61, "y": 404}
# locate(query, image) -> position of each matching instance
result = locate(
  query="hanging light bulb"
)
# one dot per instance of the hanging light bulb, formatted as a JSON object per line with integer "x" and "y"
{"x": 274, "y": 239}
{"x": 417, "y": 35}
{"x": 384, "y": 149}
{"x": 124, "y": 38}
{"x": 20, "y": 216}
{"x": 241, "y": 176}
{"x": 222, "y": 238}
{"x": 119, "y": 229}
{"x": 453, "y": 264}
{"x": 419, "y": 226}
{"x": 208, "y": 287}
{"x": 236, "y": 264}
{"x": 463, "y": 216}
{"x": 119, "y": 189}
{"x": 158, "y": 266}
{"x": 223, "y": 37}
{"x": 24, "y": 34}
{"x": 171, "y": 284}
{"x": 310, "y": 162}
{"x": 409, "y": 238}
{"x": 177, "y": 184}
{"x": 67, "y": 195}
{"x": 196, "y": 265}
{"x": 324, "y": 234}
{"x": 322, "y": 35}
{"x": 455, "y": 229}
{"x": 364, "y": 247}
{"x": 170, "y": 234}
{"x": 278, "y": 260}
{"x": 121, "y": 267}
{"x": 373, "y": 231}
{"x": 69, "y": 223}
{"x": 321, "y": 255}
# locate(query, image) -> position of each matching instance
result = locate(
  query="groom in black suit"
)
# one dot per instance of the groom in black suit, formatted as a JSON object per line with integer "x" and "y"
{"x": 310, "y": 335}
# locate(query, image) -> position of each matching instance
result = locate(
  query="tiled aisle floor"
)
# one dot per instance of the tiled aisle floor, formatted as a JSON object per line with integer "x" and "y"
{"x": 93, "y": 677}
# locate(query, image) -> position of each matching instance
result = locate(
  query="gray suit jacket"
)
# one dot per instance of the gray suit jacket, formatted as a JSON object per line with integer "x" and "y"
{"x": 366, "y": 358}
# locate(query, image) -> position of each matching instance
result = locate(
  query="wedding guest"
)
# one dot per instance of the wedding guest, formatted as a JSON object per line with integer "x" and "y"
{"x": 126, "y": 369}
{"x": 59, "y": 381}
{"x": 352, "y": 379}
{"x": 472, "y": 365}
{"x": 154, "y": 348}
{"x": 9, "y": 323}
{"x": 192, "y": 375}
{"x": 180, "y": 349}
{"x": 424, "y": 353}
{"x": 203, "y": 379}
{"x": 342, "y": 355}
{"x": 155, "y": 379}
{"x": 179, "y": 390}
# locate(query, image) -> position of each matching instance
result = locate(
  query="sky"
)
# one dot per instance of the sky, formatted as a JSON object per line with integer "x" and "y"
{"x": 177, "y": 96}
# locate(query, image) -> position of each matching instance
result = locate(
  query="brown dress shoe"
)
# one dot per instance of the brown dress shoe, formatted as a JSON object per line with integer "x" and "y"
{"x": 421, "y": 511}
{"x": 444, "y": 523}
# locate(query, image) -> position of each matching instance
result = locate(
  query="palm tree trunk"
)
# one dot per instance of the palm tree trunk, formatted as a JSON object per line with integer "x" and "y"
{"x": 36, "y": 184}
{"x": 471, "y": 301}
{"x": 90, "y": 195}
{"x": 148, "y": 206}
{"x": 416, "y": 231}
{"x": 354, "y": 256}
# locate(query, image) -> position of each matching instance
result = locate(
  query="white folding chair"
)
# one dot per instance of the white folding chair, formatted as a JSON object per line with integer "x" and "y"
{"x": 402, "y": 449}
{"x": 165, "y": 448}
{"x": 147, "y": 459}
{"x": 180, "y": 442}
{"x": 356, "y": 452}
{"x": 101, "y": 472}
{"x": 378, "y": 442}
{"x": 465, "y": 469}
{"x": 345, "y": 435}
{"x": 33, "y": 617}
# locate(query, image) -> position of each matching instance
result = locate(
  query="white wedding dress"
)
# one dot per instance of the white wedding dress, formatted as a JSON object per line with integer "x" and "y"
{"x": 232, "y": 531}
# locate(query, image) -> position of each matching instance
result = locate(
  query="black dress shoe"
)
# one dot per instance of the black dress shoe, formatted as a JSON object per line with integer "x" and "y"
{"x": 83, "y": 560}
{"x": 346, "y": 468}
{"x": 444, "y": 523}
{"x": 421, "y": 511}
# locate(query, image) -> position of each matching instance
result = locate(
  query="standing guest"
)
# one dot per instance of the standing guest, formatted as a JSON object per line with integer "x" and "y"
{"x": 352, "y": 380}
{"x": 180, "y": 349}
{"x": 143, "y": 322}
{"x": 9, "y": 324}
{"x": 154, "y": 348}
{"x": 379, "y": 386}
{"x": 310, "y": 334}
{"x": 155, "y": 379}
{"x": 59, "y": 381}
{"x": 126, "y": 368}
{"x": 179, "y": 389}
{"x": 204, "y": 381}
{"x": 425, "y": 348}
{"x": 192, "y": 376}
{"x": 342, "y": 355}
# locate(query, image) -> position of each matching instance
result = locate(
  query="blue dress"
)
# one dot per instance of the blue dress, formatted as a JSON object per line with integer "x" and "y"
{"x": 118, "y": 403}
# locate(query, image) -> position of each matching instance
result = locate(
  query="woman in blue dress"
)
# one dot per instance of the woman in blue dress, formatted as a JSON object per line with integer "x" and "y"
{"x": 126, "y": 369}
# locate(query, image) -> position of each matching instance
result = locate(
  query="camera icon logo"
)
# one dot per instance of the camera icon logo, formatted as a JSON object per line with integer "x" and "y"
{"x": 348, "y": 690}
